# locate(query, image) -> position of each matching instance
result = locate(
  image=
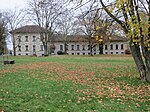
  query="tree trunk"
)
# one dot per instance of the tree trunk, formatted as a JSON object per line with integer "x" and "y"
{"x": 147, "y": 54}
{"x": 14, "y": 44}
{"x": 45, "y": 50}
{"x": 44, "y": 40}
{"x": 101, "y": 48}
{"x": 91, "y": 51}
{"x": 65, "y": 48}
{"x": 147, "y": 61}
{"x": 136, "y": 53}
{"x": 14, "y": 49}
{"x": 91, "y": 48}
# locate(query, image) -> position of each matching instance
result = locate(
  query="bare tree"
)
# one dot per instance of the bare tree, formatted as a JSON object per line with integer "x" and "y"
{"x": 65, "y": 24}
{"x": 96, "y": 26}
{"x": 14, "y": 19}
{"x": 3, "y": 35}
{"x": 44, "y": 13}
{"x": 87, "y": 28}
{"x": 134, "y": 18}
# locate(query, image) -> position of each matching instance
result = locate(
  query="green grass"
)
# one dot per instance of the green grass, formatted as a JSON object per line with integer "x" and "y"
{"x": 73, "y": 84}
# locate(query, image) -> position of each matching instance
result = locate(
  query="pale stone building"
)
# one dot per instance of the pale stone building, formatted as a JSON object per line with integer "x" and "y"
{"x": 29, "y": 43}
{"x": 117, "y": 45}
{"x": 27, "y": 40}
{"x": 76, "y": 45}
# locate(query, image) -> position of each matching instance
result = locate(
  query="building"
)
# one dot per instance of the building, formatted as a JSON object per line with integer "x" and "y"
{"x": 79, "y": 45}
{"x": 116, "y": 45}
{"x": 29, "y": 43}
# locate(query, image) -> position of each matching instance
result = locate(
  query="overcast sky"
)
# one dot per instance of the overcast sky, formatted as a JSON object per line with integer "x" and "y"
{"x": 11, "y": 4}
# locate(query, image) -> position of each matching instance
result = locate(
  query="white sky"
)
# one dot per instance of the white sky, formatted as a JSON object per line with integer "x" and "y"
{"x": 11, "y": 4}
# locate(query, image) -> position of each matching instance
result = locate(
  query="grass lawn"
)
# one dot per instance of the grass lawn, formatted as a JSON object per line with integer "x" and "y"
{"x": 73, "y": 84}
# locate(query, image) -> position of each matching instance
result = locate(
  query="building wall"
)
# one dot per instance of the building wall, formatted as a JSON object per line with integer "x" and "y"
{"x": 86, "y": 51}
{"x": 30, "y": 43}
{"x": 115, "y": 50}
{"x": 74, "y": 48}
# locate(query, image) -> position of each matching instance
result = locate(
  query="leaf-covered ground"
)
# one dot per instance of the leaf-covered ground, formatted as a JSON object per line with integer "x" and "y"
{"x": 73, "y": 84}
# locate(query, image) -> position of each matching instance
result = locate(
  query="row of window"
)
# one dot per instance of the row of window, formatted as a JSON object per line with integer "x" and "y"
{"x": 83, "y": 47}
{"x": 33, "y": 48}
{"x": 27, "y": 38}
{"x": 29, "y": 54}
{"x": 116, "y": 47}
{"x": 77, "y": 47}
{"x": 114, "y": 53}
{"x": 96, "y": 53}
{"x": 84, "y": 53}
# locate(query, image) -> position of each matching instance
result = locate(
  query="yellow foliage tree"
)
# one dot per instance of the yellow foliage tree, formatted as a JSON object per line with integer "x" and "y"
{"x": 134, "y": 18}
{"x": 135, "y": 22}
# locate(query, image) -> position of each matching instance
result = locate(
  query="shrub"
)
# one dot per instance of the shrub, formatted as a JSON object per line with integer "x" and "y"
{"x": 127, "y": 51}
{"x": 60, "y": 53}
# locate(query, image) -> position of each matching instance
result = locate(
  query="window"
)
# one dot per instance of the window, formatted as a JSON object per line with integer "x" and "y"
{"x": 88, "y": 47}
{"x": 117, "y": 53}
{"x": 122, "y": 47}
{"x": 72, "y": 53}
{"x": 122, "y": 52}
{"x": 94, "y": 48}
{"x": 111, "y": 52}
{"x": 26, "y": 47}
{"x": 41, "y": 38}
{"x": 61, "y": 47}
{"x": 34, "y": 39}
{"x": 26, "y": 38}
{"x": 89, "y": 53}
{"x": 111, "y": 47}
{"x": 83, "y": 47}
{"x": 72, "y": 47}
{"x": 19, "y": 38}
{"x": 66, "y": 47}
{"x": 116, "y": 46}
{"x": 106, "y": 52}
{"x": 78, "y": 47}
{"x": 34, "y": 48}
{"x": 41, "y": 46}
{"x": 106, "y": 48}
{"x": 19, "y": 48}
{"x": 26, "y": 53}
{"x": 83, "y": 53}
{"x": 78, "y": 53}
{"x": 19, "y": 54}
{"x": 94, "y": 53}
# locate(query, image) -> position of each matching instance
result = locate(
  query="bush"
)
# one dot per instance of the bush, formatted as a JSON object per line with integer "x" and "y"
{"x": 127, "y": 51}
{"x": 60, "y": 53}
{"x": 34, "y": 55}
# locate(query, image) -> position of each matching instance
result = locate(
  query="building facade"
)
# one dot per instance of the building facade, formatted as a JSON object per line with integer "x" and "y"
{"x": 82, "y": 48}
{"x": 78, "y": 46}
{"x": 28, "y": 42}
